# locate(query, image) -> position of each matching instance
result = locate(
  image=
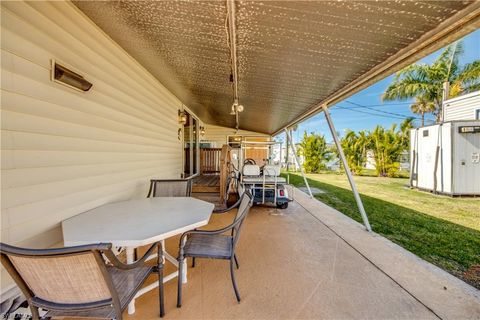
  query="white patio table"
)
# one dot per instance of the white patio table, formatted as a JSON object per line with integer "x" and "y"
{"x": 136, "y": 223}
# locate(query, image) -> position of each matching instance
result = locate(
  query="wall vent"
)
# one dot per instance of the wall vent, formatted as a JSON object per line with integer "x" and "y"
{"x": 65, "y": 76}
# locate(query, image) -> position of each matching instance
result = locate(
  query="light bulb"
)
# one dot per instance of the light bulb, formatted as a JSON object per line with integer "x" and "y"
{"x": 234, "y": 109}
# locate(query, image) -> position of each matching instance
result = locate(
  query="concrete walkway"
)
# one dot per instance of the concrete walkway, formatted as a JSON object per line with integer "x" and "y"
{"x": 445, "y": 295}
{"x": 294, "y": 266}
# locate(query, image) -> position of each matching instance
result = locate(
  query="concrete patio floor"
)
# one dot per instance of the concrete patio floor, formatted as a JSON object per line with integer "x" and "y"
{"x": 294, "y": 266}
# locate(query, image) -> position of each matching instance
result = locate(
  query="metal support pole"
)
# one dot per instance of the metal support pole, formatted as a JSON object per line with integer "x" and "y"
{"x": 289, "y": 137}
{"x": 347, "y": 169}
{"x": 281, "y": 154}
{"x": 286, "y": 153}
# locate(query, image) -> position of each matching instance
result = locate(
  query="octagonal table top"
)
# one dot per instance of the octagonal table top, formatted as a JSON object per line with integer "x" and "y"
{"x": 136, "y": 223}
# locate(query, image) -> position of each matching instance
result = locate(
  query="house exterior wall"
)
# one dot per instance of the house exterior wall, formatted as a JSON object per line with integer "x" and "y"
{"x": 66, "y": 151}
{"x": 218, "y": 135}
{"x": 466, "y": 107}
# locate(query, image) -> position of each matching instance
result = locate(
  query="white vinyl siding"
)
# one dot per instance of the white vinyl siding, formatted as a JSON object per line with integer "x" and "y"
{"x": 462, "y": 108}
{"x": 218, "y": 134}
{"x": 65, "y": 151}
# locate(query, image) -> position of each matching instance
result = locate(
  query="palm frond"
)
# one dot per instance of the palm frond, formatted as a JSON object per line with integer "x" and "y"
{"x": 469, "y": 77}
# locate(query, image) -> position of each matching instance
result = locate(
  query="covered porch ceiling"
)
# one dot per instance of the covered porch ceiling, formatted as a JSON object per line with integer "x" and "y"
{"x": 293, "y": 56}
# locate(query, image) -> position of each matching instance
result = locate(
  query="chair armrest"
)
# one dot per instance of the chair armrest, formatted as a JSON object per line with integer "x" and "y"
{"x": 220, "y": 211}
{"x": 124, "y": 266}
{"x": 210, "y": 232}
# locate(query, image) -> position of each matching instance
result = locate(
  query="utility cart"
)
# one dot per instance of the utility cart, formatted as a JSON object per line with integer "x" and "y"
{"x": 264, "y": 182}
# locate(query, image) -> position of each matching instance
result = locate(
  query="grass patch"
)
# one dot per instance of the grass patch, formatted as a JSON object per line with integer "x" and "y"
{"x": 442, "y": 230}
{"x": 373, "y": 173}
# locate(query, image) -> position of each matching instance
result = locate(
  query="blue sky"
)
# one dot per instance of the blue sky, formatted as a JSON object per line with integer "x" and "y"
{"x": 371, "y": 97}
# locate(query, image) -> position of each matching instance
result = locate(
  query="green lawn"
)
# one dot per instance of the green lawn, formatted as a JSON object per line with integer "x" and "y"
{"x": 442, "y": 230}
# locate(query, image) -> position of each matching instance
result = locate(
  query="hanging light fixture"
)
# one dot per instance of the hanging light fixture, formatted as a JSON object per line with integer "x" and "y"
{"x": 236, "y": 108}
{"x": 182, "y": 117}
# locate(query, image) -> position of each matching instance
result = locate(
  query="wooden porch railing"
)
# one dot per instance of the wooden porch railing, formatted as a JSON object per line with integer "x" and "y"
{"x": 210, "y": 160}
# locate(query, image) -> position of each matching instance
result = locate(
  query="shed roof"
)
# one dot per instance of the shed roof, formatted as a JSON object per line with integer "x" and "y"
{"x": 293, "y": 56}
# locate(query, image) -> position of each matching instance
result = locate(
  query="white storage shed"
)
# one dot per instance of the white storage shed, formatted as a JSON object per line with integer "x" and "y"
{"x": 445, "y": 158}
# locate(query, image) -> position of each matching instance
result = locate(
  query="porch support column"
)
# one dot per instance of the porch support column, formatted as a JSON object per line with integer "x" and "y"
{"x": 294, "y": 149}
{"x": 347, "y": 169}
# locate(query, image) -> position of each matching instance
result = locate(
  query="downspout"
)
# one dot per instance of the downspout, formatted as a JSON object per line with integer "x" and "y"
{"x": 437, "y": 153}
{"x": 416, "y": 163}
{"x": 414, "y": 157}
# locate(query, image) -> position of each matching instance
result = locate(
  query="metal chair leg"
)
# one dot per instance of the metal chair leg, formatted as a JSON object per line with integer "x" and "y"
{"x": 161, "y": 292}
{"x": 237, "y": 294}
{"x": 179, "y": 290}
{"x": 193, "y": 262}
{"x": 35, "y": 314}
{"x": 236, "y": 261}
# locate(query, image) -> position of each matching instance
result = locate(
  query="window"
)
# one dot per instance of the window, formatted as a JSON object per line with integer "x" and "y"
{"x": 425, "y": 133}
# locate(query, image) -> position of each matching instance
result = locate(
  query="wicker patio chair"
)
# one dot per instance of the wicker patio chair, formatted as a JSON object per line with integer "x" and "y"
{"x": 78, "y": 281}
{"x": 214, "y": 244}
{"x": 170, "y": 188}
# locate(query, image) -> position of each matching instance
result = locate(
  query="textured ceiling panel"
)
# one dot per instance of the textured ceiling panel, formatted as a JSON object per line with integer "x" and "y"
{"x": 181, "y": 43}
{"x": 291, "y": 54}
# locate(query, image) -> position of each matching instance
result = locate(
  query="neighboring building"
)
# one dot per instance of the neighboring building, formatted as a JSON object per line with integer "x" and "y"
{"x": 370, "y": 160}
{"x": 292, "y": 163}
{"x": 333, "y": 165}
{"x": 404, "y": 160}
{"x": 466, "y": 107}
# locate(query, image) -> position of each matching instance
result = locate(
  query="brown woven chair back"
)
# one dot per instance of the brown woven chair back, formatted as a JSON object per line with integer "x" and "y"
{"x": 242, "y": 212}
{"x": 75, "y": 278}
{"x": 77, "y": 282}
{"x": 170, "y": 188}
{"x": 244, "y": 206}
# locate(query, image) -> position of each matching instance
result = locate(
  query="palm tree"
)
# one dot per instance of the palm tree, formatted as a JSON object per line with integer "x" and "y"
{"x": 314, "y": 149}
{"x": 387, "y": 146}
{"x": 386, "y": 149}
{"x": 422, "y": 106}
{"x": 404, "y": 133}
{"x": 426, "y": 81}
{"x": 353, "y": 148}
